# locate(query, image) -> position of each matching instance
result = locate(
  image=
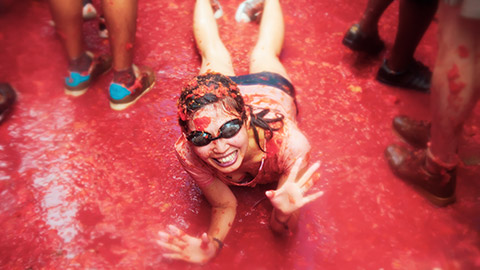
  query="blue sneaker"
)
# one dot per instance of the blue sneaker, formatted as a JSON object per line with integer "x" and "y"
{"x": 122, "y": 96}
{"x": 77, "y": 83}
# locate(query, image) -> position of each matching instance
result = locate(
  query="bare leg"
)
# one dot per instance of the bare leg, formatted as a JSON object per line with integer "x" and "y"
{"x": 215, "y": 56}
{"x": 414, "y": 19}
{"x": 455, "y": 82}
{"x": 67, "y": 15}
{"x": 121, "y": 16}
{"x": 265, "y": 55}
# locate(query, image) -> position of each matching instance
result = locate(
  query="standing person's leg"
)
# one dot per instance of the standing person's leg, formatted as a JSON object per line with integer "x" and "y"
{"x": 265, "y": 55}
{"x": 454, "y": 95}
{"x": 121, "y": 20}
{"x": 373, "y": 12}
{"x": 364, "y": 35}
{"x": 83, "y": 66}
{"x": 129, "y": 82}
{"x": 401, "y": 69}
{"x": 67, "y": 16}
{"x": 215, "y": 56}
{"x": 414, "y": 19}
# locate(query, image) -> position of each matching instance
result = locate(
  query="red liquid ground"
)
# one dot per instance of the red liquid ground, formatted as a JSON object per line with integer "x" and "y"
{"x": 86, "y": 187}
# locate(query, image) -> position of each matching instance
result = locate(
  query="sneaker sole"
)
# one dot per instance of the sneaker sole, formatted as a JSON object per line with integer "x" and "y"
{"x": 75, "y": 93}
{"x": 123, "y": 106}
{"x": 384, "y": 81}
{"x": 391, "y": 84}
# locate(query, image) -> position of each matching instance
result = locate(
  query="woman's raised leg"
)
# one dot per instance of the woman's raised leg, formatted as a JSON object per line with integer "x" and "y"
{"x": 265, "y": 55}
{"x": 215, "y": 56}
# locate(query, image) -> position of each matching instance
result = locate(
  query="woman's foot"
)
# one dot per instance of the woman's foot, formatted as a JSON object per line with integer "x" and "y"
{"x": 249, "y": 11}
{"x": 433, "y": 181}
{"x": 217, "y": 9}
{"x": 88, "y": 12}
{"x": 102, "y": 27}
{"x": 414, "y": 132}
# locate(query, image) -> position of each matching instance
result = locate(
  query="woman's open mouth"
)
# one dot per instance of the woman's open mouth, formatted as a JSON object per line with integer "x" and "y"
{"x": 227, "y": 160}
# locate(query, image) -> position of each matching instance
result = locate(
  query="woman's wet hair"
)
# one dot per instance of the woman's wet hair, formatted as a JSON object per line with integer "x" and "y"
{"x": 211, "y": 88}
{"x": 208, "y": 89}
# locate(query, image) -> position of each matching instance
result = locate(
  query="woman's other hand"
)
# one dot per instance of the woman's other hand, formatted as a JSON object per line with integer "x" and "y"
{"x": 181, "y": 246}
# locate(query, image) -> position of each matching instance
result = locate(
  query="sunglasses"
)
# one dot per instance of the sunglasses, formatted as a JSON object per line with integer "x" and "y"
{"x": 227, "y": 130}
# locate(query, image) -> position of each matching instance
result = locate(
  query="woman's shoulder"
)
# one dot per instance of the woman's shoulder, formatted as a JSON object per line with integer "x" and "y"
{"x": 291, "y": 141}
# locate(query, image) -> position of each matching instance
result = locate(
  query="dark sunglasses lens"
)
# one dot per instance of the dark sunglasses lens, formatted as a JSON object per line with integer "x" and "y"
{"x": 199, "y": 138}
{"x": 231, "y": 128}
{"x": 228, "y": 130}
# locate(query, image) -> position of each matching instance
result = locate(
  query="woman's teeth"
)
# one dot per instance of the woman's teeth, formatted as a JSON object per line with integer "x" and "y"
{"x": 228, "y": 158}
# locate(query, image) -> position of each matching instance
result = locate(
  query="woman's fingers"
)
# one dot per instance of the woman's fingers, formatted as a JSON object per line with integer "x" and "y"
{"x": 270, "y": 193}
{"x": 164, "y": 236}
{"x": 174, "y": 230}
{"x": 169, "y": 246}
{"x": 174, "y": 256}
{"x": 179, "y": 234}
{"x": 312, "y": 197}
{"x": 308, "y": 174}
{"x": 168, "y": 238}
{"x": 294, "y": 172}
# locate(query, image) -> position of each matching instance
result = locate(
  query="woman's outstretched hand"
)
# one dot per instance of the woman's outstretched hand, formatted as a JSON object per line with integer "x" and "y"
{"x": 181, "y": 246}
{"x": 291, "y": 195}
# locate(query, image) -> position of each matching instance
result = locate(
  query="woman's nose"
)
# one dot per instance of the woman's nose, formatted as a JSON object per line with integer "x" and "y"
{"x": 220, "y": 146}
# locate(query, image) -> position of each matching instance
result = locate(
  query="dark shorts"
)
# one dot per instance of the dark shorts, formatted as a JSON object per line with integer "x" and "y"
{"x": 266, "y": 78}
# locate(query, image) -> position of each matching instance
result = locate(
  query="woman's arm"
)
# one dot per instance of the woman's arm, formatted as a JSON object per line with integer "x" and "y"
{"x": 224, "y": 208}
{"x": 201, "y": 249}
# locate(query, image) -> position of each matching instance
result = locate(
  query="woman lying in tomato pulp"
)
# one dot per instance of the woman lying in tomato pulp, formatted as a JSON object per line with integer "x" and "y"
{"x": 241, "y": 131}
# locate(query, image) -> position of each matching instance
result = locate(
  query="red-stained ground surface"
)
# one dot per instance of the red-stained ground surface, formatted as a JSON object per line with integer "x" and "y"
{"x": 86, "y": 187}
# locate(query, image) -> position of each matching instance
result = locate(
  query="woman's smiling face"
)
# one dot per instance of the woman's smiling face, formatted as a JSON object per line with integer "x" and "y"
{"x": 225, "y": 154}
